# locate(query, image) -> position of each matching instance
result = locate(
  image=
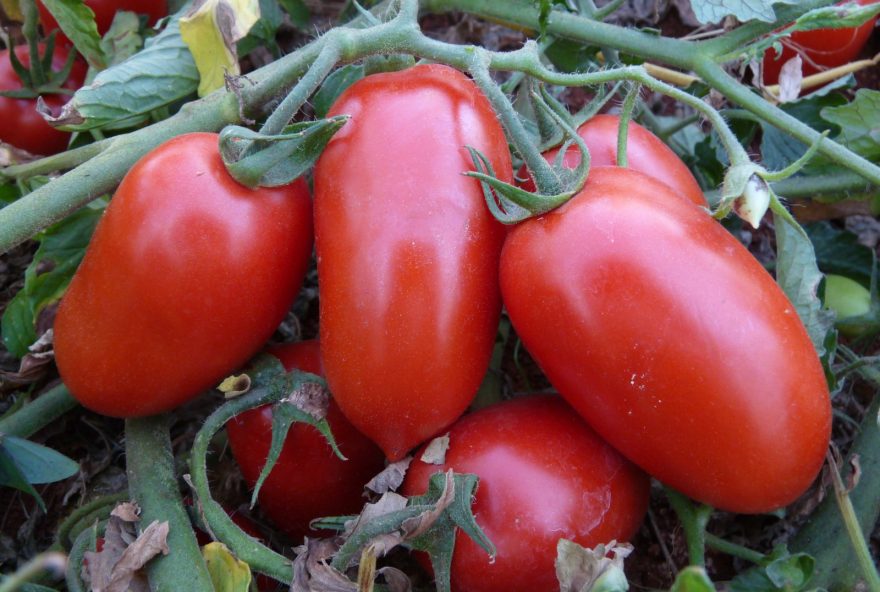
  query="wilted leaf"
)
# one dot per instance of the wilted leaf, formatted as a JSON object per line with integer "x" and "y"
{"x": 590, "y": 570}
{"x": 311, "y": 573}
{"x": 435, "y": 452}
{"x": 234, "y": 386}
{"x": 228, "y": 573}
{"x": 211, "y": 28}
{"x": 116, "y": 568}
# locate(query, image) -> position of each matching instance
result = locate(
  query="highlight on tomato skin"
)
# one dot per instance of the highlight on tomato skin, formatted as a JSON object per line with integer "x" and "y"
{"x": 186, "y": 277}
{"x": 23, "y": 125}
{"x": 544, "y": 474}
{"x": 672, "y": 341}
{"x": 645, "y": 153}
{"x": 308, "y": 481}
{"x": 408, "y": 253}
{"x": 820, "y": 49}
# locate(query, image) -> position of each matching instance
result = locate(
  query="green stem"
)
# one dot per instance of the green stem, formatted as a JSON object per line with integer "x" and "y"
{"x": 626, "y": 112}
{"x": 57, "y": 162}
{"x": 694, "y": 520}
{"x": 32, "y": 36}
{"x": 69, "y": 529}
{"x": 39, "y": 413}
{"x": 153, "y": 486}
{"x": 51, "y": 562}
{"x": 86, "y": 541}
{"x": 245, "y": 547}
{"x": 732, "y": 549}
{"x": 608, "y": 10}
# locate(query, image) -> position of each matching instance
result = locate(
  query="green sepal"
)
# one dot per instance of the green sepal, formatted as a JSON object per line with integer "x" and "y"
{"x": 512, "y": 204}
{"x": 77, "y": 21}
{"x": 254, "y": 159}
{"x": 439, "y": 540}
{"x": 285, "y": 415}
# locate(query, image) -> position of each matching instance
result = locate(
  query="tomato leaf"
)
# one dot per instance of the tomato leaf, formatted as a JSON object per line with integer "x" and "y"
{"x": 692, "y": 579}
{"x": 859, "y": 123}
{"x": 839, "y": 251}
{"x": 836, "y": 17}
{"x": 77, "y": 21}
{"x": 228, "y": 573}
{"x": 164, "y": 71}
{"x": 123, "y": 39}
{"x": 799, "y": 277}
{"x": 783, "y": 572}
{"x": 12, "y": 476}
{"x": 298, "y": 12}
{"x": 210, "y": 29}
{"x": 778, "y": 149}
{"x": 255, "y": 159}
{"x": 38, "y": 463}
{"x": 62, "y": 247}
{"x": 713, "y": 11}
{"x": 333, "y": 86}
{"x": 263, "y": 32}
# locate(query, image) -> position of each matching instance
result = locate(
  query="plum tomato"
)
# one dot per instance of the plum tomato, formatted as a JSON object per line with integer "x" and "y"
{"x": 645, "y": 153}
{"x": 308, "y": 481}
{"x": 408, "y": 253}
{"x": 671, "y": 340}
{"x": 186, "y": 277}
{"x": 544, "y": 475}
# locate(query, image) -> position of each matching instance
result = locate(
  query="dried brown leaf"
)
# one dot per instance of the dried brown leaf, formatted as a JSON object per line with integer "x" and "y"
{"x": 390, "y": 478}
{"x": 127, "y": 511}
{"x": 397, "y": 580}
{"x": 311, "y": 573}
{"x": 435, "y": 452}
{"x": 116, "y": 568}
{"x": 418, "y": 525}
{"x": 312, "y": 398}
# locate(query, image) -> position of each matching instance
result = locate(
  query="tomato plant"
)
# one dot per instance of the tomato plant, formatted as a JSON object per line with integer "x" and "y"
{"x": 308, "y": 481}
{"x": 820, "y": 49}
{"x": 407, "y": 253}
{"x": 25, "y": 127}
{"x": 105, "y": 10}
{"x": 187, "y": 275}
{"x": 671, "y": 340}
{"x": 544, "y": 475}
{"x": 645, "y": 153}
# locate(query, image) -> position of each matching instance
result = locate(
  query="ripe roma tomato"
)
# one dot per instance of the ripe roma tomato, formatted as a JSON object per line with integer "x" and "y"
{"x": 187, "y": 275}
{"x": 645, "y": 153}
{"x": 407, "y": 253}
{"x": 544, "y": 475}
{"x": 308, "y": 481}
{"x": 671, "y": 340}
{"x": 820, "y": 49}
{"x": 105, "y": 10}
{"x": 24, "y": 127}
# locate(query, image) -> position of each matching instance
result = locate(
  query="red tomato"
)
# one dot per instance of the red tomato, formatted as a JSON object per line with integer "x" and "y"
{"x": 24, "y": 127}
{"x": 187, "y": 275}
{"x": 309, "y": 481}
{"x": 544, "y": 475}
{"x": 407, "y": 253}
{"x": 645, "y": 153}
{"x": 820, "y": 49}
{"x": 105, "y": 10}
{"x": 671, "y": 340}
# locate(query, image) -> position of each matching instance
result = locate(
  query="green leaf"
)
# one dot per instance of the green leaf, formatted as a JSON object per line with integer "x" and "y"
{"x": 692, "y": 579}
{"x": 62, "y": 247}
{"x": 839, "y": 252}
{"x": 713, "y": 11}
{"x": 77, "y": 21}
{"x": 333, "y": 86}
{"x": 799, "y": 277}
{"x": 11, "y": 476}
{"x": 859, "y": 123}
{"x": 782, "y": 572}
{"x": 8, "y": 194}
{"x": 299, "y": 13}
{"x": 262, "y": 34}
{"x": 778, "y": 149}
{"x": 123, "y": 39}
{"x": 124, "y": 94}
{"x": 38, "y": 463}
{"x": 256, "y": 159}
{"x": 836, "y": 17}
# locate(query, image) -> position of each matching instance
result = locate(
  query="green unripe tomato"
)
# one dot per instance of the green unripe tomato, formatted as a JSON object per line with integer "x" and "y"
{"x": 849, "y": 299}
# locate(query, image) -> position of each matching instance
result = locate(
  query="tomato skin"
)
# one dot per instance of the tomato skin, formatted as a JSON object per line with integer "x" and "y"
{"x": 645, "y": 153}
{"x": 672, "y": 341}
{"x": 309, "y": 481}
{"x": 407, "y": 253}
{"x": 187, "y": 275}
{"x": 104, "y": 11}
{"x": 25, "y": 128}
{"x": 820, "y": 49}
{"x": 544, "y": 475}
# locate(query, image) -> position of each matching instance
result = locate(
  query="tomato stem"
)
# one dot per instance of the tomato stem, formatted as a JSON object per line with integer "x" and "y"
{"x": 626, "y": 113}
{"x": 732, "y": 549}
{"x": 694, "y": 519}
{"x": 153, "y": 486}
{"x": 39, "y": 413}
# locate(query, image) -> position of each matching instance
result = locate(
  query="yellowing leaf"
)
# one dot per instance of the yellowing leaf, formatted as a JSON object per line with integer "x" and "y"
{"x": 228, "y": 574}
{"x": 211, "y": 29}
{"x": 12, "y": 10}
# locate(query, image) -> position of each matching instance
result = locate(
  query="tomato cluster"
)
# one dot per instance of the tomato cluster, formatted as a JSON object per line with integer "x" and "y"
{"x": 654, "y": 324}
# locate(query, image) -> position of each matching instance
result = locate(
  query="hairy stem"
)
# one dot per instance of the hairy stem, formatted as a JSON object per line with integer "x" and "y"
{"x": 38, "y": 413}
